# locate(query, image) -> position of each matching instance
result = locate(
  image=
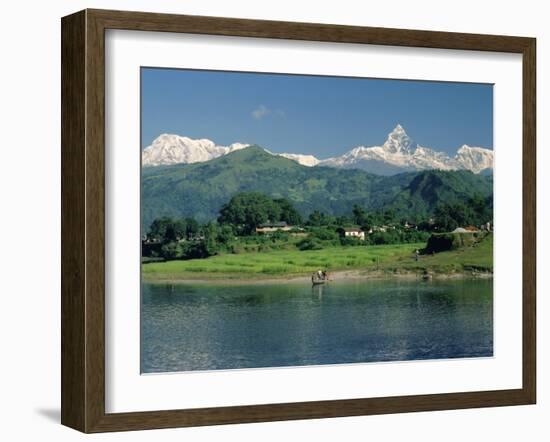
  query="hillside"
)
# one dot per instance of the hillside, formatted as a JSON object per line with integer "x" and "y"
{"x": 200, "y": 189}
{"x": 428, "y": 188}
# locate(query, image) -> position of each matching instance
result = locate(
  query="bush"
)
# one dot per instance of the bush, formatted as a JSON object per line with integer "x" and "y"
{"x": 323, "y": 233}
{"x": 439, "y": 243}
{"x": 350, "y": 241}
{"x": 396, "y": 236}
{"x": 236, "y": 249}
{"x": 188, "y": 250}
{"x": 196, "y": 250}
{"x": 392, "y": 236}
{"x": 172, "y": 250}
{"x": 309, "y": 244}
{"x": 442, "y": 242}
{"x": 279, "y": 236}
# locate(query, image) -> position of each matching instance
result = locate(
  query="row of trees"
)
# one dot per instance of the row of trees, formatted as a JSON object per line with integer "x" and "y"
{"x": 321, "y": 237}
{"x": 359, "y": 217}
{"x": 171, "y": 238}
{"x": 185, "y": 238}
{"x": 238, "y": 219}
{"x": 167, "y": 229}
{"x": 475, "y": 211}
{"x": 447, "y": 217}
{"x": 247, "y": 210}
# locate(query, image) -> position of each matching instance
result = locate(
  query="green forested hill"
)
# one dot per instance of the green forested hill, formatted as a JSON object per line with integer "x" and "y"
{"x": 199, "y": 190}
{"x": 427, "y": 189}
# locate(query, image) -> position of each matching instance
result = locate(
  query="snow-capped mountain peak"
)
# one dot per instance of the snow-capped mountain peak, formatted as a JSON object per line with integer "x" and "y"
{"x": 401, "y": 153}
{"x": 304, "y": 160}
{"x": 475, "y": 159}
{"x": 398, "y": 141}
{"x": 169, "y": 149}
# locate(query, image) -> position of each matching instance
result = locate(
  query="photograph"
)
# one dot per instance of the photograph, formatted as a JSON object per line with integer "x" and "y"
{"x": 255, "y": 221}
{"x": 302, "y": 220}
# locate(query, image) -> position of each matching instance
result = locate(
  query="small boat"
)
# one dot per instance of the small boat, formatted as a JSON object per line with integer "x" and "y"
{"x": 318, "y": 279}
{"x": 426, "y": 276}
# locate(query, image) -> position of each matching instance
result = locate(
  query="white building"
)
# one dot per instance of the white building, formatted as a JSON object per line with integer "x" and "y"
{"x": 281, "y": 226}
{"x": 354, "y": 232}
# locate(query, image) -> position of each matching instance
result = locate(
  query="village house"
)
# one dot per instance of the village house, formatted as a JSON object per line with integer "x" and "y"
{"x": 281, "y": 226}
{"x": 354, "y": 232}
{"x": 467, "y": 229}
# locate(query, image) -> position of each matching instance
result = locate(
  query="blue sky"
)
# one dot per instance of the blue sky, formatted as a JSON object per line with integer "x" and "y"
{"x": 322, "y": 116}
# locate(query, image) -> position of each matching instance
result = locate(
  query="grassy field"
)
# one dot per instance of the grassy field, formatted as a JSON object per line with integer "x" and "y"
{"x": 289, "y": 263}
{"x": 476, "y": 258}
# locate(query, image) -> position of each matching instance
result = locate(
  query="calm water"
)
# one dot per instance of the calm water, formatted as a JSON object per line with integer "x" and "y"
{"x": 207, "y": 327}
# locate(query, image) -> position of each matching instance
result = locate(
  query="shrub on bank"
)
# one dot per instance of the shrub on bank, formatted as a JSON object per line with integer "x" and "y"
{"x": 310, "y": 244}
{"x": 442, "y": 242}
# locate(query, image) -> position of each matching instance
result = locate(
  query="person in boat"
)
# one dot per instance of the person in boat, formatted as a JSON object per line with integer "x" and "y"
{"x": 320, "y": 275}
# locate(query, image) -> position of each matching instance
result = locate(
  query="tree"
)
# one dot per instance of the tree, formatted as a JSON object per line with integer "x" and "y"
{"x": 192, "y": 228}
{"x": 175, "y": 230}
{"x": 287, "y": 212}
{"x": 225, "y": 234}
{"x": 444, "y": 219}
{"x": 359, "y": 215}
{"x": 171, "y": 250}
{"x": 389, "y": 216}
{"x": 318, "y": 219}
{"x": 158, "y": 227}
{"x": 210, "y": 239}
{"x": 166, "y": 229}
{"x": 450, "y": 216}
{"x": 481, "y": 208}
{"x": 341, "y": 221}
{"x": 248, "y": 210}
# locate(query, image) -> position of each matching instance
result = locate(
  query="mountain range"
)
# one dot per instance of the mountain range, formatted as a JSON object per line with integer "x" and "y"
{"x": 199, "y": 189}
{"x": 399, "y": 153}
{"x": 173, "y": 149}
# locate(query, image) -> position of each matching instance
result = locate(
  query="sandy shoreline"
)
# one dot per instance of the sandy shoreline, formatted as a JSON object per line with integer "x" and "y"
{"x": 343, "y": 275}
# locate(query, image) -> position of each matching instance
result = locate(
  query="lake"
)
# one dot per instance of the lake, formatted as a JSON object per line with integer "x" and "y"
{"x": 211, "y": 326}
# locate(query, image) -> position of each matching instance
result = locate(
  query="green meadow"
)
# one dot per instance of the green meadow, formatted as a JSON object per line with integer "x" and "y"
{"x": 387, "y": 259}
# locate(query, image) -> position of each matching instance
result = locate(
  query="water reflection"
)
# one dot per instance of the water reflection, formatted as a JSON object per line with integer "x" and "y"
{"x": 204, "y": 327}
{"x": 317, "y": 291}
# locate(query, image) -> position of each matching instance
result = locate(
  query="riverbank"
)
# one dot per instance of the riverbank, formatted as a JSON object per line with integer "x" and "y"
{"x": 386, "y": 261}
{"x": 335, "y": 277}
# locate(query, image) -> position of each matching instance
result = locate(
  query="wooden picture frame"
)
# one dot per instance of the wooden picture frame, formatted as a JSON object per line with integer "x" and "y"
{"x": 83, "y": 220}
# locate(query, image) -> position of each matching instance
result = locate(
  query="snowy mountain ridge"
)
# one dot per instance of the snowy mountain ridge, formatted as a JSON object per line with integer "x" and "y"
{"x": 173, "y": 149}
{"x": 399, "y": 153}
